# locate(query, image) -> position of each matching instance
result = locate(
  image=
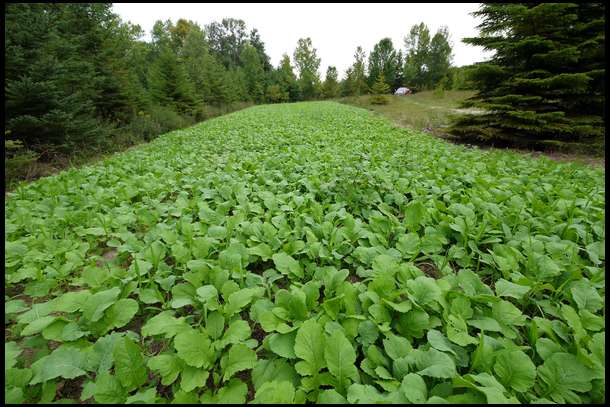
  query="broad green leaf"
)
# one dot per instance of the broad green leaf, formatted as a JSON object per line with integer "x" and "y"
{"x": 331, "y": 397}
{"x": 283, "y": 344}
{"x": 275, "y": 392}
{"x": 148, "y": 396}
{"x": 507, "y": 289}
{"x": 340, "y": 359}
{"x": 165, "y": 324}
{"x": 234, "y": 392}
{"x": 237, "y": 332}
{"x": 414, "y": 214}
{"x": 434, "y": 364}
{"x": 240, "y": 299}
{"x": 129, "y": 365}
{"x": 438, "y": 341}
{"x": 414, "y": 388}
{"x": 38, "y": 325}
{"x": 168, "y": 366}
{"x": 563, "y": 374}
{"x": 515, "y": 369}
{"x": 309, "y": 346}
{"x": 238, "y": 358}
{"x": 96, "y": 304}
{"x": 72, "y": 301}
{"x": 193, "y": 378}
{"x": 65, "y": 362}
{"x": 267, "y": 370}
{"x": 423, "y": 290}
{"x": 11, "y": 352}
{"x": 194, "y": 348}
{"x": 585, "y": 296}
{"x": 108, "y": 390}
{"x": 396, "y": 346}
{"x": 286, "y": 264}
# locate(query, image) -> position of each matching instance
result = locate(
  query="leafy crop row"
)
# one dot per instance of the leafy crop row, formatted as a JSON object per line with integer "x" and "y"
{"x": 309, "y": 252}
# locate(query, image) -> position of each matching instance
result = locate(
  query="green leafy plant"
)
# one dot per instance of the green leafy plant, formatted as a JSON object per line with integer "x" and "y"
{"x": 307, "y": 253}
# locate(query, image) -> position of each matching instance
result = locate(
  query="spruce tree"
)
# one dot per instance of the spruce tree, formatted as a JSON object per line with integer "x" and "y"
{"x": 544, "y": 85}
{"x": 380, "y": 89}
{"x": 330, "y": 88}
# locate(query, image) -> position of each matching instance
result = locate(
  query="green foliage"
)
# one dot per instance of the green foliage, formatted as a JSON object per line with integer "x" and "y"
{"x": 336, "y": 263}
{"x": 330, "y": 88}
{"x": 307, "y": 63}
{"x": 385, "y": 61}
{"x": 543, "y": 86}
{"x": 427, "y": 60}
{"x": 379, "y": 90}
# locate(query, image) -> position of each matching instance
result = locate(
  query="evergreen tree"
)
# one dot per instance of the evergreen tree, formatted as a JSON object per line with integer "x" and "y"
{"x": 66, "y": 74}
{"x": 194, "y": 51}
{"x": 217, "y": 82}
{"x": 330, "y": 88}
{"x": 169, "y": 84}
{"x": 544, "y": 84}
{"x": 348, "y": 86}
{"x": 286, "y": 79}
{"x": 380, "y": 89}
{"x": 307, "y": 63}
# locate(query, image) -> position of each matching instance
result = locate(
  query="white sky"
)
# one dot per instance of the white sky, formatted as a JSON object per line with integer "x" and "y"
{"x": 335, "y": 29}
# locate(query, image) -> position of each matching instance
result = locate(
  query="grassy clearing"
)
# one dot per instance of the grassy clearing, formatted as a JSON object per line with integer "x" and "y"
{"x": 423, "y": 110}
{"x": 431, "y": 112}
{"x": 310, "y": 252}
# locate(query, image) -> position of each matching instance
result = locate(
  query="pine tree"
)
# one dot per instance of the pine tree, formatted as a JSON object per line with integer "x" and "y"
{"x": 286, "y": 79}
{"x": 169, "y": 84}
{"x": 330, "y": 88}
{"x": 380, "y": 89}
{"x": 544, "y": 84}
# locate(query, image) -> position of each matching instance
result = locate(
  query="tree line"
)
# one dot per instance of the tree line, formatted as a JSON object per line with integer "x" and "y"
{"x": 77, "y": 76}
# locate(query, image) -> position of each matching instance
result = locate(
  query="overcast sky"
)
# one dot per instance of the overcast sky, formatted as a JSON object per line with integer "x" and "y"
{"x": 335, "y": 29}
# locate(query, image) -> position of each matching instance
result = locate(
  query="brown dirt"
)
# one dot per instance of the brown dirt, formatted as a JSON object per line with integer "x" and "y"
{"x": 258, "y": 333}
{"x": 28, "y": 356}
{"x": 429, "y": 269}
{"x": 155, "y": 347}
{"x": 245, "y": 376}
{"x": 70, "y": 389}
{"x": 107, "y": 257}
{"x": 209, "y": 384}
{"x": 353, "y": 278}
{"x": 260, "y": 266}
{"x": 15, "y": 290}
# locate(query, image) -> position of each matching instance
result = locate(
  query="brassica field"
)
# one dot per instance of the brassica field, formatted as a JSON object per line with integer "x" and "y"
{"x": 307, "y": 253}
